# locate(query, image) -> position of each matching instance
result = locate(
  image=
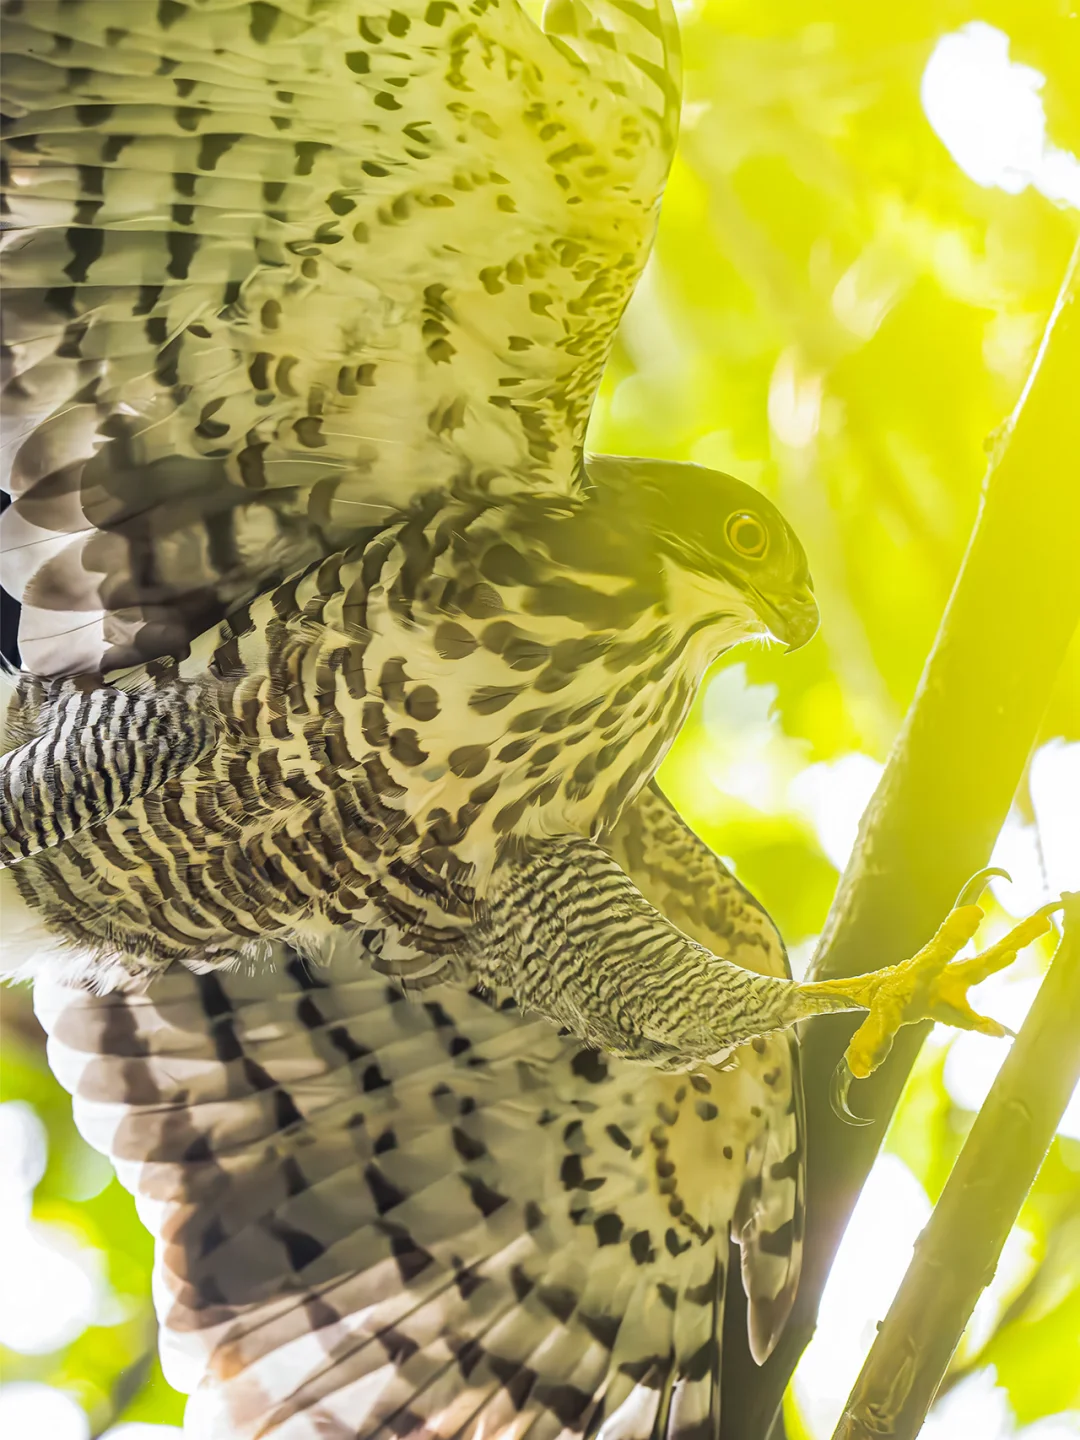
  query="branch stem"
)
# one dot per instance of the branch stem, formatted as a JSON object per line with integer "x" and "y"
{"x": 957, "y": 1253}
{"x": 944, "y": 795}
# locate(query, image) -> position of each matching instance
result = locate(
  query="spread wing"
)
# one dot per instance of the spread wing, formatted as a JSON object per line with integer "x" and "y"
{"x": 272, "y": 267}
{"x": 378, "y": 1217}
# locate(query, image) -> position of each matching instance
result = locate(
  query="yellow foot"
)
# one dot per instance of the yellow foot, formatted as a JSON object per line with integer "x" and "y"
{"x": 932, "y": 985}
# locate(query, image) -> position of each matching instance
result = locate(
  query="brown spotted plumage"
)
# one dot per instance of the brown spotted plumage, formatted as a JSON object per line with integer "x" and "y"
{"x": 401, "y": 999}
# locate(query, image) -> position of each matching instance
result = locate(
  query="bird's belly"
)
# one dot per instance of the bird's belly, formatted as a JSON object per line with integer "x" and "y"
{"x": 542, "y": 770}
{"x": 370, "y": 781}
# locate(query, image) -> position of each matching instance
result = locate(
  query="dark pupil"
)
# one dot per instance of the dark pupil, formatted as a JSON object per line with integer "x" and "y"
{"x": 747, "y": 535}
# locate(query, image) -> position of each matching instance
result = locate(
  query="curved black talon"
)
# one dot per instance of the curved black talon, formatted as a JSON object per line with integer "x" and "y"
{"x": 969, "y": 895}
{"x": 839, "y": 1087}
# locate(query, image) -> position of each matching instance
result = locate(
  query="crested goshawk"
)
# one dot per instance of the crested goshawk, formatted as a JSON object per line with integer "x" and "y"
{"x": 441, "y": 1057}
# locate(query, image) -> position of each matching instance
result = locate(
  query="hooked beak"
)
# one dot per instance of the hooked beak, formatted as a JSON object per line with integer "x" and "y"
{"x": 794, "y": 618}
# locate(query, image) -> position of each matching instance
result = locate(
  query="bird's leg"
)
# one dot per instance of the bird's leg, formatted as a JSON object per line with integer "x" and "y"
{"x": 570, "y": 936}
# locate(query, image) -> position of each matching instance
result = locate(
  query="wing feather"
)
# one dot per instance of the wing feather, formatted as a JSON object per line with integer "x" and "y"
{"x": 378, "y": 1216}
{"x": 370, "y": 1211}
{"x": 692, "y": 886}
{"x": 269, "y": 266}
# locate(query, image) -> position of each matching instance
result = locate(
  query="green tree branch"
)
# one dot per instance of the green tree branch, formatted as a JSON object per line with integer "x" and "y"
{"x": 943, "y": 798}
{"x": 957, "y": 1253}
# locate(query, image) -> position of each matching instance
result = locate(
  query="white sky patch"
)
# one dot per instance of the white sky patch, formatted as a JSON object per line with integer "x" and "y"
{"x": 24, "y": 1146}
{"x": 139, "y": 1430}
{"x": 53, "y": 1287}
{"x": 794, "y": 403}
{"x": 988, "y": 113}
{"x": 746, "y": 749}
{"x": 1064, "y": 1426}
{"x": 871, "y": 1261}
{"x": 1043, "y": 859}
{"x": 1055, "y": 794}
{"x": 833, "y": 795}
{"x": 873, "y": 1258}
{"x": 29, "y": 1409}
{"x": 976, "y": 1407}
{"x": 973, "y": 1061}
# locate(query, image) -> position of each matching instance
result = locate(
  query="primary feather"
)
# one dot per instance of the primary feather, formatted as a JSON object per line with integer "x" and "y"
{"x": 275, "y": 264}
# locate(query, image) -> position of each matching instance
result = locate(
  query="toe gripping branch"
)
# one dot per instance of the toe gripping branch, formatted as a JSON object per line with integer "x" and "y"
{"x": 931, "y": 985}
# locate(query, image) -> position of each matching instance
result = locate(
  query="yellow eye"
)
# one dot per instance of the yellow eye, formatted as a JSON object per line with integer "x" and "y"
{"x": 747, "y": 535}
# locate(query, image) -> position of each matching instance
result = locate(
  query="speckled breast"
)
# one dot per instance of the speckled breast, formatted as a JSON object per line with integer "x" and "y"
{"x": 394, "y": 716}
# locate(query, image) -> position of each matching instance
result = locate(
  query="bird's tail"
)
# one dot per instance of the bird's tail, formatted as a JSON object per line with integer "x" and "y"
{"x": 378, "y": 1217}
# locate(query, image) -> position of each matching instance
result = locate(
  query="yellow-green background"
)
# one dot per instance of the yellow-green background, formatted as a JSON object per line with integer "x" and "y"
{"x": 839, "y": 314}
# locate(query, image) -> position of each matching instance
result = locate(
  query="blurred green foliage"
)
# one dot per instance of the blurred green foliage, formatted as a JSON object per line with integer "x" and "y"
{"x": 838, "y": 314}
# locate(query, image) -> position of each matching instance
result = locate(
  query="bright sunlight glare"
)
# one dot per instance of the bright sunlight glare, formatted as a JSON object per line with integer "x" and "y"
{"x": 27, "y": 1408}
{"x": 53, "y": 1286}
{"x": 833, "y": 795}
{"x": 873, "y": 1257}
{"x": 987, "y": 111}
{"x": 138, "y": 1430}
{"x": 870, "y": 1264}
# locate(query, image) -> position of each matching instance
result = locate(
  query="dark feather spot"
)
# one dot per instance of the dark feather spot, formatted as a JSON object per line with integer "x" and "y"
{"x": 301, "y": 1249}
{"x": 405, "y": 748}
{"x": 489, "y": 699}
{"x": 467, "y": 1146}
{"x": 86, "y": 247}
{"x": 650, "y": 1370}
{"x": 590, "y": 1065}
{"x": 398, "y": 1346}
{"x": 486, "y": 1200}
{"x": 411, "y": 1258}
{"x": 453, "y": 642}
{"x": 566, "y": 1402}
{"x": 560, "y": 1300}
{"x": 604, "y": 1328}
{"x": 708, "y": 1291}
{"x": 609, "y": 1229}
{"x": 503, "y": 565}
{"x": 641, "y": 1247}
{"x": 286, "y": 1114}
{"x": 212, "y": 148}
{"x": 261, "y": 21}
{"x": 571, "y": 1172}
{"x": 384, "y": 1193}
{"x": 620, "y": 1137}
{"x": 374, "y": 1079}
{"x": 422, "y": 703}
{"x": 469, "y": 760}
{"x": 786, "y": 1169}
{"x": 520, "y": 1283}
{"x": 777, "y": 1242}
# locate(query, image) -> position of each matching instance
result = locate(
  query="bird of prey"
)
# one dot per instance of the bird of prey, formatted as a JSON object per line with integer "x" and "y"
{"x": 441, "y": 1057}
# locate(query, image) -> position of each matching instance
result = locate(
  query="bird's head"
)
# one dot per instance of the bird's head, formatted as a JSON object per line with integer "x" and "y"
{"x": 725, "y": 549}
